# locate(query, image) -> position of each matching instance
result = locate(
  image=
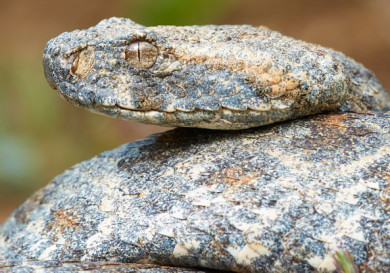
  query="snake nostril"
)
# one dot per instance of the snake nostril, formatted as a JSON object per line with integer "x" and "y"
{"x": 82, "y": 61}
{"x": 74, "y": 62}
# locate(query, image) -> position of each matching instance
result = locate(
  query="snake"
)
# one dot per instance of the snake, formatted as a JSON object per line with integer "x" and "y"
{"x": 280, "y": 198}
{"x": 225, "y": 77}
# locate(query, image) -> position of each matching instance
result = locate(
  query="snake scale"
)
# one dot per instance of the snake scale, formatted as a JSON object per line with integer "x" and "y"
{"x": 277, "y": 198}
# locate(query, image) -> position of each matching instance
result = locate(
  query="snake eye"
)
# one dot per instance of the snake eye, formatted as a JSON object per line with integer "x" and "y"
{"x": 82, "y": 61}
{"x": 141, "y": 55}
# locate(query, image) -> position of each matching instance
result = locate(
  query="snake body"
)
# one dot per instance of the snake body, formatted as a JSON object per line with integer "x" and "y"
{"x": 217, "y": 77}
{"x": 278, "y": 198}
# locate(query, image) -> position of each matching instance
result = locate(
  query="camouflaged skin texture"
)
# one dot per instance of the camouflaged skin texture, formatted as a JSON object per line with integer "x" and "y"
{"x": 217, "y": 77}
{"x": 90, "y": 267}
{"x": 280, "y": 198}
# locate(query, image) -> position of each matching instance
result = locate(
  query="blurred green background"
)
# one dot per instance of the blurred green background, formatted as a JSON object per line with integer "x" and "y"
{"x": 41, "y": 135}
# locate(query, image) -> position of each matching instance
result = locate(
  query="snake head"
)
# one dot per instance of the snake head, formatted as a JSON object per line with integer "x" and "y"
{"x": 105, "y": 67}
{"x": 218, "y": 77}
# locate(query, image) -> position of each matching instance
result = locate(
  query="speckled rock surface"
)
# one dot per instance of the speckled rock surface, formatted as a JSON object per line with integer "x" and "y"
{"x": 280, "y": 198}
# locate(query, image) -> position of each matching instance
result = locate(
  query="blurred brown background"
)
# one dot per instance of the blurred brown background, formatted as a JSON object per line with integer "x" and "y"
{"x": 41, "y": 135}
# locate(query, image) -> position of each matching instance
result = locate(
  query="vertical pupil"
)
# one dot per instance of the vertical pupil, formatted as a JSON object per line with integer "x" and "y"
{"x": 141, "y": 54}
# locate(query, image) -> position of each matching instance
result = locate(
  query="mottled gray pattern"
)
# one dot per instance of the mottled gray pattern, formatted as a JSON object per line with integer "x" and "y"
{"x": 218, "y": 77}
{"x": 279, "y": 198}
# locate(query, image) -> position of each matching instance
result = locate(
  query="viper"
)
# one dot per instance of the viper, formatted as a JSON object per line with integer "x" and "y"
{"x": 218, "y": 77}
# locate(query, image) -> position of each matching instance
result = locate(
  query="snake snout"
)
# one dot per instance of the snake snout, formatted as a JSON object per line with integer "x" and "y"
{"x": 68, "y": 57}
{"x": 49, "y": 55}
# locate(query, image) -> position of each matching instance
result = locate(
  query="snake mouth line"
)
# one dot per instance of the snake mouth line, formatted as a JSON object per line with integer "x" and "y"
{"x": 222, "y": 108}
{"x": 223, "y": 119}
{"x": 91, "y": 103}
